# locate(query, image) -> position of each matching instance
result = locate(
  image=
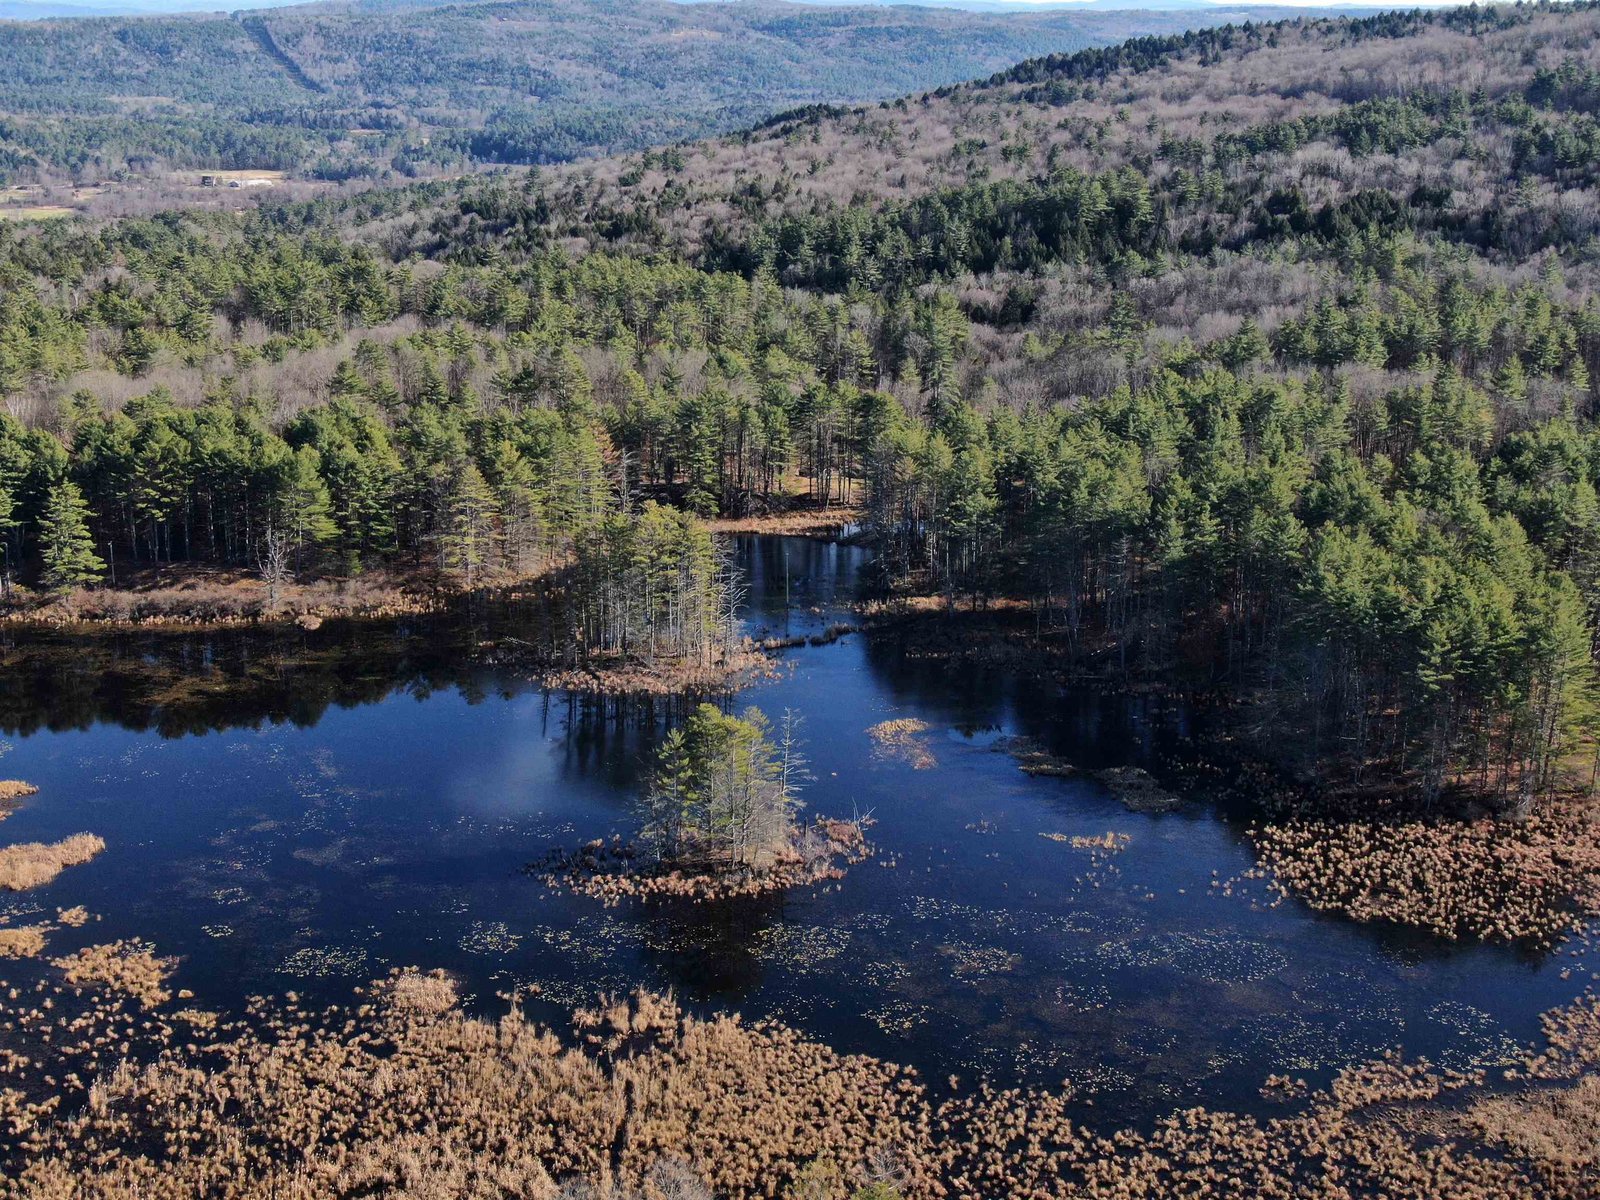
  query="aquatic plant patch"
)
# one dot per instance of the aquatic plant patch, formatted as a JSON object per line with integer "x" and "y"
{"x": 904, "y": 740}
{"x": 616, "y": 871}
{"x": 34, "y": 864}
{"x": 1138, "y": 790}
{"x": 22, "y": 941}
{"x": 287, "y": 1101}
{"x": 129, "y": 967}
{"x": 1109, "y": 842}
{"x": 1533, "y": 880}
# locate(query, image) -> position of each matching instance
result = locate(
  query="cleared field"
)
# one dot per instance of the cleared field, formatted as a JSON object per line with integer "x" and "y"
{"x": 35, "y": 212}
{"x": 226, "y": 177}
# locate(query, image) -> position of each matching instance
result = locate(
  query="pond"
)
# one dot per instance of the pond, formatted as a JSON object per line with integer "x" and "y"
{"x": 306, "y": 812}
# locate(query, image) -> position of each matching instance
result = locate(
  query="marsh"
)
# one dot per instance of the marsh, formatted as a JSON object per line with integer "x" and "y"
{"x": 304, "y": 811}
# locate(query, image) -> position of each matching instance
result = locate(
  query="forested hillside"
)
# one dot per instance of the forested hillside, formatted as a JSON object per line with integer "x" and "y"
{"x": 1242, "y": 381}
{"x": 1262, "y": 358}
{"x": 372, "y": 90}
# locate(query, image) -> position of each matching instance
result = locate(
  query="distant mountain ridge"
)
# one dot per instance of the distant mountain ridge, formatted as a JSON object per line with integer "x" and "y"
{"x": 373, "y": 89}
{"x": 35, "y": 10}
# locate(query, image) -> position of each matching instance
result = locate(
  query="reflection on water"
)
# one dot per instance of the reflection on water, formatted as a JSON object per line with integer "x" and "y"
{"x": 351, "y": 801}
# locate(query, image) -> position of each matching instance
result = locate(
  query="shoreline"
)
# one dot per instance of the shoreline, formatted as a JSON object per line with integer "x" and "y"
{"x": 202, "y": 599}
{"x": 1461, "y": 868}
{"x": 190, "y": 597}
{"x": 1333, "y": 843}
{"x": 827, "y": 523}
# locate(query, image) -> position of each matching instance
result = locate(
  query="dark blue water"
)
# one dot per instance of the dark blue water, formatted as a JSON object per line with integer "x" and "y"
{"x": 387, "y": 823}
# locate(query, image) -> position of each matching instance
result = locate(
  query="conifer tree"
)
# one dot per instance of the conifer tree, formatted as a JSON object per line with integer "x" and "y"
{"x": 8, "y": 525}
{"x": 65, "y": 542}
{"x": 303, "y": 506}
{"x": 723, "y": 793}
{"x": 467, "y": 535}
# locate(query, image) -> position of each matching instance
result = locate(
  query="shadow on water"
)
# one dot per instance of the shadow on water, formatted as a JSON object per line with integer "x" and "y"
{"x": 179, "y": 684}
{"x": 306, "y": 809}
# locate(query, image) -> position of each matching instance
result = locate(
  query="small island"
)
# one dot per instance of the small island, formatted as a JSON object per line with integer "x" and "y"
{"x": 719, "y": 819}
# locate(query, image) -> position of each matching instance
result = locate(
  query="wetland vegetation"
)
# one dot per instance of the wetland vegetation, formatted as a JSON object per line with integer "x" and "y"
{"x": 309, "y": 880}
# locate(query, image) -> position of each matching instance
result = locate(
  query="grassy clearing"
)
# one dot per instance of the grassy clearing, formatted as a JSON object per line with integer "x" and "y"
{"x": 224, "y": 178}
{"x": 36, "y": 212}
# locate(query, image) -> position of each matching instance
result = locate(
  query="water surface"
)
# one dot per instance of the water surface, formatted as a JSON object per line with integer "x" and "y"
{"x": 307, "y": 811}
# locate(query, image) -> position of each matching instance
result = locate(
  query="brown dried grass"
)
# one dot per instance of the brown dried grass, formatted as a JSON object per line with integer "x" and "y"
{"x": 803, "y": 520}
{"x": 34, "y": 864}
{"x": 24, "y": 941}
{"x": 901, "y": 739}
{"x": 1109, "y": 842}
{"x": 214, "y": 599}
{"x": 618, "y": 676}
{"x": 408, "y": 1097}
{"x": 131, "y": 968}
{"x": 1466, "y": 876}
{"x": 819, "y": 853}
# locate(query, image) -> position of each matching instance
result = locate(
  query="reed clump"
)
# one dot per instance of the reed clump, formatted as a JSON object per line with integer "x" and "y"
{"x": 903, "y": 739}
{"x": 616, "y": 871}
{"x": 23, "y": 941}
{"x": 1532, "y": 877}
{"x": 129, "y": 967}
{"x": 34, "y": 864}
{"x": 1109, "y": 842}
{"x": 1481, "y": 880}
{"x": 404, "y": 1095}
{"x": 12, "y": 790}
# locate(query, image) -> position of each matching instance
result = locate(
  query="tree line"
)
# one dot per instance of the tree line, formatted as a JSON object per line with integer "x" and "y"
{"x": 471, "y": 499}
{"x": 1424, "y": 599}
{"x": 1364, "y": 497}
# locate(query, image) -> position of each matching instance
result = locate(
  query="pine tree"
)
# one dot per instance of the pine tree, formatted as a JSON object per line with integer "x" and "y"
{"x": 65, "y": 543}
{"x": 302, "y": 506}
{"x": 515, "y": 490}
{"x": 467, "y": 539}
{"x": 347, "y": 381}
{"x": 8, "y": 526}
{"x": 723, "y": 794}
